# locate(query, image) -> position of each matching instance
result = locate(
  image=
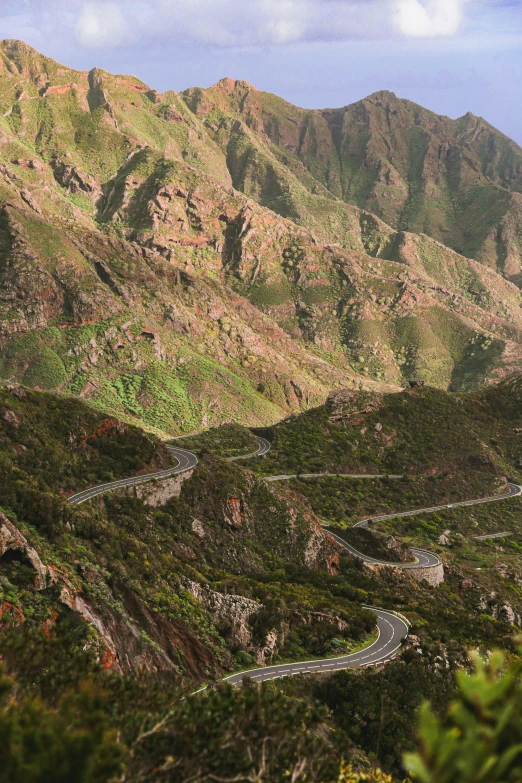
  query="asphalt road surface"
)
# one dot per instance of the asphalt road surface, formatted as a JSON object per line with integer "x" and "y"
{"x": 487, "y": 536}
{"x": 336, "y": 475}
{"x": 513, "y": 491}
{"x": 186, "y": 461}
{"x": 392, "y": 630}
{"x": 422, "y": 558}
{"x": 263, "y": 448}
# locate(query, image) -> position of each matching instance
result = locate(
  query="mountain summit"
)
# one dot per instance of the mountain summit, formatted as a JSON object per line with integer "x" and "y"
{"x": 459, "y": 181}
{"x": 185, "y": 259}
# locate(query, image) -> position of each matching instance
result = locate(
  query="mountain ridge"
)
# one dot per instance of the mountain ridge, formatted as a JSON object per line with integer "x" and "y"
{"x": 176, "y": 269}
{"x": 165, "y": 259}
{"x": 474, "y": 154}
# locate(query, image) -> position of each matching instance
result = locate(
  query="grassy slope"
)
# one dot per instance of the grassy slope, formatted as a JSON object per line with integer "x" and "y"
{"x": 62, "y": 445}
{"x": 229, "y": 440}
{"x": 119, "y": 198}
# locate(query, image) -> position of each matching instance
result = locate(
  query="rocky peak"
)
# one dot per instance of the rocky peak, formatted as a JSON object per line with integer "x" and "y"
{"x": 26, "y": 61}
{"x": 470, "y": 117}
{"x": 229, "y": 85}
{"x": 381, "y": 96}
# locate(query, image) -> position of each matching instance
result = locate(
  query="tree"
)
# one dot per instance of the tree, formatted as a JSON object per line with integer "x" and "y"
{"x": 480, "y": 738}
{"x": 70, "y": 744}
{"x": 243, "y": 735}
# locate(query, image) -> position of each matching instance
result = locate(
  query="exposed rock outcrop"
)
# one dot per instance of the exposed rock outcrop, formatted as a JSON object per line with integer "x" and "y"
{"x": 75, "y": 181}
{"x": 347, "y": 406}
{"x": 11, "y": 540}
{"x": 434, "y": 574}
{"x": 232, "y": 610}
{"x": 157, "y": 493}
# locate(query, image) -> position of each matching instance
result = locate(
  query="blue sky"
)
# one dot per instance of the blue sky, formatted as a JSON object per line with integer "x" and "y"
{"x": 451, "y": 56}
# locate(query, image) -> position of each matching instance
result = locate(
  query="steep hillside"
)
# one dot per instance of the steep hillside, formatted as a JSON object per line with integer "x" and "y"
{"x": 147, "y": 581}
{"x": 135, "y": 273}
{"x": 112, "y": 611}
{"x": 459, "y": 181}
{"x": 418, "y": 432}
{"x": 181, "y": 261}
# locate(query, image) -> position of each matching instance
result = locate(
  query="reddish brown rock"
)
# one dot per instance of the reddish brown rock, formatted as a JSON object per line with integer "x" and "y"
{"x": 12, "y": 540}
{"x": 10, "y": 417}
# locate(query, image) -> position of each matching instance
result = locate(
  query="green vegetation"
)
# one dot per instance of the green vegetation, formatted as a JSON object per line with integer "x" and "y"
{"x": 422, "y": 432}
{"x": 479, "y": 738}
{"x": 229, "y": 440}
{"x": 72, "y": 741}
{"x": 117, "y": 206}
{"x": 182, "y": 571}
{"x": 267, "y": 295}
{"x": 46, "y": 371}
{"x": 63, "y": 444}
{"x": 93, "y": 731}
{"x": 343, "y": 501}
{"x": 459, "y": 528}
{"x": 410, "y": 219}
{"x": 342, "y": 151}
{"x": 242, "y": 530}
{"x": 131, "y": 273}
{"x": 164, "y": 396}
{"x": 378, "y": 709}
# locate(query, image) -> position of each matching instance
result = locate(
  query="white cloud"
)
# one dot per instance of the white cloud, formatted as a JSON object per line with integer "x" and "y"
{"x": 223, "y": 23}
{"x": 429, "y": 18}
{"x": 103, "y": 25}
{"x": 272, "y": 22}
{"x": 110, "y": 24}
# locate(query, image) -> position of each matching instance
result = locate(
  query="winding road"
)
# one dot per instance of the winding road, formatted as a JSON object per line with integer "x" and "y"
{"x": 392, "y": 628}
{"x": 186, "y": 461}
{"x": 513, "y": 490}
{"x": 391, "y": 632}
{"x": 423, "y": 559}
{"x": 263, "y": 448}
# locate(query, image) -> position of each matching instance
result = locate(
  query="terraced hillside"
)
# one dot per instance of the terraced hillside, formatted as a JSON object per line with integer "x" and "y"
{"x": 138, "y": 271}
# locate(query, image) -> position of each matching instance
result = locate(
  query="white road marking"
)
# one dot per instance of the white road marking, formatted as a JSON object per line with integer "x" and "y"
{"x": 187, "y": 460}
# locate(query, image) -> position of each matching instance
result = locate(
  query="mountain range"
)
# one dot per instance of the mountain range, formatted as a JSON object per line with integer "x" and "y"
{"x": 184, "y": 259}
{"x": 265, "y": 280}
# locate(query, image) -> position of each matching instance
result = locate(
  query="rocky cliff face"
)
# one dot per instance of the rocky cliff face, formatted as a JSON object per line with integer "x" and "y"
{"x": 459, "y": 181}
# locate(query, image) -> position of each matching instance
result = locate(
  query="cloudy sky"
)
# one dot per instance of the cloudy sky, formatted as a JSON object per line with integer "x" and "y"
{"x": 451, "y": 56}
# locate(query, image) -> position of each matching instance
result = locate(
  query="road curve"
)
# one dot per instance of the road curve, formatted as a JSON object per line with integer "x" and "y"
{"x": 423, "y": 559}
{"x": 392, "y": 631}
{"x": 186, "y": 461}
{"x": 263, "y": 447}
